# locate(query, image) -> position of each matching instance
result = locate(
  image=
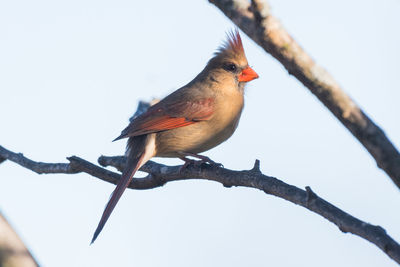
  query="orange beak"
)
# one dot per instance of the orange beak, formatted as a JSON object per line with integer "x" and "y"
{"x": 247, "y": 75}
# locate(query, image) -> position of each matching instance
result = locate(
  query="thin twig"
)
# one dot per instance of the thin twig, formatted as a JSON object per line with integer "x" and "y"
{"x": 38, "y": 167}
{"x": 159, "y": 174}
{"x": 256, "y": 20}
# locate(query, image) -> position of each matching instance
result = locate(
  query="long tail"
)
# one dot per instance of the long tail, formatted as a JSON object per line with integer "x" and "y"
{"x": 136, "y": 155}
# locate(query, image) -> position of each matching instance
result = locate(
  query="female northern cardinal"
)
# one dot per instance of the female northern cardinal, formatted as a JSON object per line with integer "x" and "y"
{"x": 193, "y": 119}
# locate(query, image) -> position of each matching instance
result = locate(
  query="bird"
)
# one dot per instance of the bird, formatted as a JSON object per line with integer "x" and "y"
{"x": 193, "y": 119}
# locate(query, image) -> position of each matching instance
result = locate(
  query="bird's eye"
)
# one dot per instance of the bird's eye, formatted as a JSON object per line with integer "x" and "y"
{"x": 230, "y": 67}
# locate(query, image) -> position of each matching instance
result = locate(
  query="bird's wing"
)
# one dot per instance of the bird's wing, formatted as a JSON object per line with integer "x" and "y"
{"x": 170, "y": 115}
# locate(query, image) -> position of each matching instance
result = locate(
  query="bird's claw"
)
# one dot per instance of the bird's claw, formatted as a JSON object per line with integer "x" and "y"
{"x": 198, "y": 163}
{"x": 212, "y": 163}
{"x": 187, "y": 163}
{"x": 209, "y": 161}
{"x": 217, "y": 165}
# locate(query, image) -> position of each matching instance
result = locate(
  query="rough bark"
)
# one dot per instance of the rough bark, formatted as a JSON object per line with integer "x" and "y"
{"x": 160, "y": 174}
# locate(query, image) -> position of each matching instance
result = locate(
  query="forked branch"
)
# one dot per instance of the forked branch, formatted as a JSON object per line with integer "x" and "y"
{"x": 159, "y": 174}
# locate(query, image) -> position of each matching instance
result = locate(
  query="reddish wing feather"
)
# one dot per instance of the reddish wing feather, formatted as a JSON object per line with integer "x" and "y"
{"x": 159, "y": 124}
{"x": 161, "y": 117}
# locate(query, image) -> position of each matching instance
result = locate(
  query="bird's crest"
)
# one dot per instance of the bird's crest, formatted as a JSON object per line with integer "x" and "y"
{"x": 233, "y": 44}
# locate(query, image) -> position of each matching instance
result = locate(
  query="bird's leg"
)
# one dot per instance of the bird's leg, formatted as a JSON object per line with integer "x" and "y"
{"x": 187, "y": 162}
{"x": 203, "y": 159}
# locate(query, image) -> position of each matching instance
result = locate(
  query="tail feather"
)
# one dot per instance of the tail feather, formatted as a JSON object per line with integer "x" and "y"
{"x": 136, "y": 152}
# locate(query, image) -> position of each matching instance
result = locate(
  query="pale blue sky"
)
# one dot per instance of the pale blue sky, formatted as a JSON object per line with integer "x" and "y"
{"x": 72, "y": 72}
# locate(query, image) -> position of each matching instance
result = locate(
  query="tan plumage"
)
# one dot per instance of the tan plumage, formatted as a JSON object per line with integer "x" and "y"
{"x": 191, "y": 120}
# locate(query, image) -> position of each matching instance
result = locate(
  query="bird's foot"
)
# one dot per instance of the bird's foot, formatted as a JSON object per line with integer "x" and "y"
{"x": 205, "y": 159}
{"x": 197, "y": 163}
{"x": 187, "y": 163}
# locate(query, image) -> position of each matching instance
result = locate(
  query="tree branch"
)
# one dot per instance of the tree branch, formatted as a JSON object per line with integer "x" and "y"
{"x": 256, "y": 20}
{"x": 159, "y": 174}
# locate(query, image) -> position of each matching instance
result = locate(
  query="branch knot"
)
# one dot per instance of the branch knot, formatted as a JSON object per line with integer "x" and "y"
{"x": 310, "y": 196}
{"x": 256, "y": 167}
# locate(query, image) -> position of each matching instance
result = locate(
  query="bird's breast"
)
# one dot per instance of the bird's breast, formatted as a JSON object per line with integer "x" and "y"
{"x": 204, "y": 135}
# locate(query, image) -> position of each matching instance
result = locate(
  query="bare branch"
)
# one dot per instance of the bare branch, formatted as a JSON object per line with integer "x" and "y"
{"x": 256, "y": 20}
{"x": 38, "y": 167}
{"x": 13, "y": 252}
{"x": 159, "y": 174}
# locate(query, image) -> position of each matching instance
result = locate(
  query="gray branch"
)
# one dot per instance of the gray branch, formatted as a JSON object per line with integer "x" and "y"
{"x": 159, "y": 174}
{"x": 256, "y": 20}
{"x": 2, "y": 160}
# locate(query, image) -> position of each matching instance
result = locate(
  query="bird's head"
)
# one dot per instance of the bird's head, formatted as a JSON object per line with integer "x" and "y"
{"x": 230, "y": 61}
